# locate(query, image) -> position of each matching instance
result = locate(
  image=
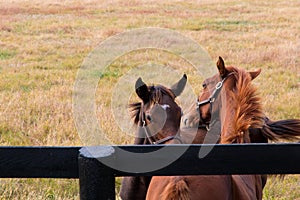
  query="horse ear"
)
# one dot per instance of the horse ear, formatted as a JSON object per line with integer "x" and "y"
{"x": 221, "y": 67}
{"x": 178, "y": 87}
{"x": 254, "y": 74}
{"x": 141, "y": 90}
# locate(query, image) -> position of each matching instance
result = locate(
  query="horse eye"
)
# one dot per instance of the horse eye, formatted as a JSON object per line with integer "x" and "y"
{"x": 148, "y": 117}
{"x": 204, "y": 85}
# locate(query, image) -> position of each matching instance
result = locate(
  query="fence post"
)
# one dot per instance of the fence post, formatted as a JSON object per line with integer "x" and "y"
{"x": 96, "y": 180}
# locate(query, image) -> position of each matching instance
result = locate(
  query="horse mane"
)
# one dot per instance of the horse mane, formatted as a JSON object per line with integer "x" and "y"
{"x": 134, "y": 109}
{"x": 247, "y": 106}
{"x": 156, "y": 93}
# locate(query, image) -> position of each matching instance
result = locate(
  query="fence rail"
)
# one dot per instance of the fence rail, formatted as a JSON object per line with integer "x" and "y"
{"x": 97, "y": 180}
{"x": 39, "y": 162}
{"x": 223, "y": 159}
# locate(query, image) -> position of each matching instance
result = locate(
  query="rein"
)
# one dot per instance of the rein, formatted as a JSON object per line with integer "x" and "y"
{"x": 212, "y": 98}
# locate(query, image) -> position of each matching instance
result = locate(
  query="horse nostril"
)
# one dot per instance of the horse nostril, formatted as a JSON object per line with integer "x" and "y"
{"x": 185, "y": 121}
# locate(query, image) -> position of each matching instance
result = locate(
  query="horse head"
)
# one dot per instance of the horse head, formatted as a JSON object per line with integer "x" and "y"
{"x": 157, "y": 115}
{"x": 231, "y": 97}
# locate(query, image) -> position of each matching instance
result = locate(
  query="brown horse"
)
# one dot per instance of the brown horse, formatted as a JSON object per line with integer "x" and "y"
{"x": 234, "y": 102}
{"x": 158, "y": 119}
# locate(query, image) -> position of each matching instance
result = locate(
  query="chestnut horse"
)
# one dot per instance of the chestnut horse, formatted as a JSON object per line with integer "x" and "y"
{"x": 158, "y": 119}
{"x": 241, "y": 112}
{"x": 288, "y": 129}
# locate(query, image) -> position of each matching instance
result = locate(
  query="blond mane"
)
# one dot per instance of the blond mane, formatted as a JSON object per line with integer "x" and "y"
{"x": 247, "y": 106}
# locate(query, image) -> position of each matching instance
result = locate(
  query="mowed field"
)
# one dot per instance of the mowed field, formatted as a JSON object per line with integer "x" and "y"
{"x": 44, "y": 43}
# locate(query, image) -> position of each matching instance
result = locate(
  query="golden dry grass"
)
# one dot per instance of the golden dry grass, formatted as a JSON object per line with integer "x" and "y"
{"x": 43, "y": 43}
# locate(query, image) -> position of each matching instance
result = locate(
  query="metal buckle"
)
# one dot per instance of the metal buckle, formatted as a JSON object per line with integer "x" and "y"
{"x": 219, "y": 85}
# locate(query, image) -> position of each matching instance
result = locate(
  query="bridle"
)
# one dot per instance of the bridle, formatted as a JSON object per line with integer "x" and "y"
{"x": 148, "y": 133}
{"x": 211, "y": 99}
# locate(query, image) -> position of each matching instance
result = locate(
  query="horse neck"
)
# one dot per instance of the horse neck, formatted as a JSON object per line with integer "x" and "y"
{"x": 227, "y": 114}
{"x": 241, "y": 109}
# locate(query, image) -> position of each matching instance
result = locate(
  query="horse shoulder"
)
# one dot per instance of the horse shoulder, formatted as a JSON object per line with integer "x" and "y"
{"x": 247, "y": 187}
{"x": 168, "y": 188}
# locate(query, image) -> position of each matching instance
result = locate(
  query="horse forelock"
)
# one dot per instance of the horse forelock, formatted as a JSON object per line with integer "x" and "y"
{"x": 156, "y": 93}
{"x": 247, "y": 106}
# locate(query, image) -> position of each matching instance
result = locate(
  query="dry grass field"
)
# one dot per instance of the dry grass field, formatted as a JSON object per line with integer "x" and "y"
{"x": 43, "y": 44}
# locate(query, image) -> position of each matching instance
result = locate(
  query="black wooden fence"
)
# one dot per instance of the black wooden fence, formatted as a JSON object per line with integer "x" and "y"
{"x": 97, "y": 180}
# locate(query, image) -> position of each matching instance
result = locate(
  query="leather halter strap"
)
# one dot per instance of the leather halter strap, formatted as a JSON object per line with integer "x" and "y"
{"x": 215, "y": 93}
{"x": 161, "y": 141}
{"x": 168, "y": 138}
{"x": 212, "y": 98}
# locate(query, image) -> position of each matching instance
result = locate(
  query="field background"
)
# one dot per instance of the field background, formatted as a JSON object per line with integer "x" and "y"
{"x": 43, "y": 44}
